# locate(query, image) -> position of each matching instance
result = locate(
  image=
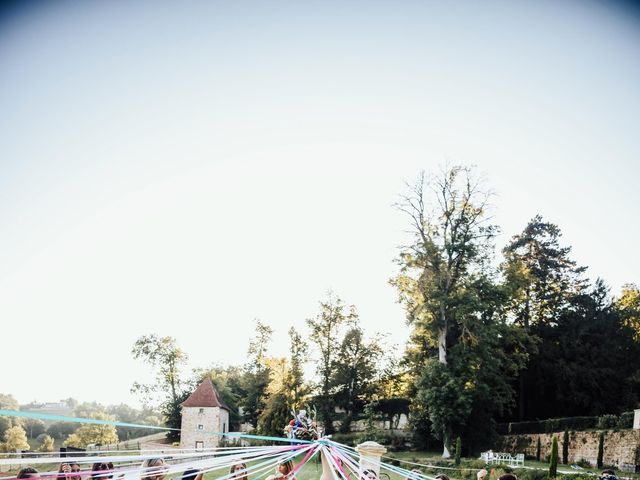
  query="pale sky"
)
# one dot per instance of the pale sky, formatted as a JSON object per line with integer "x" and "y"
{"x": 182, "y": 168}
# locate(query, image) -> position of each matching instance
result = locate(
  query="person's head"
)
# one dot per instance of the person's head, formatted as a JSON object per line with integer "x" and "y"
{"x": 153, "y": 469}
{"x": 285, "y": 467}
{"x": 102, "y": 470}
{"x": 190, "y": 474}
{"x": 442, "y": 476}
{"x": 70, "y": 471}
{"x": 28, "y": 472}
{"x": 369, "y": 474}
{"x": 608, "y": 471}
{"x": 414, "y": 474}
{"x": 482, "y": 474}
{"x": 238, "y": 470}
{"x": 507, "y": 476}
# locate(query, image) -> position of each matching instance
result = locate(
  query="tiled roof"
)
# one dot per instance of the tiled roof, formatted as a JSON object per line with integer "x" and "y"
{"x": 205, "y": 395}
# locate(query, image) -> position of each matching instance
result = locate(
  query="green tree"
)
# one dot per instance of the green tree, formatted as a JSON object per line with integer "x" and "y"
{"x": 324, "y": 332}
{"x": 600, "y": 459}
{"x": 61, "y": 430}
{"x": 256, "y": 377}
{"x": 298, "y": 351}
{"x": 553, "y": 460}
{"x": 355, "y": 369}
{"x": 275, "y": 416}
{"x": 93, "y": 434}
{"x": 227, "y": 382}
{"x": 7, "y": 402}
{"x": 565, "y": 448}
{"x": 15, "y": 438}
{"x": 34, "y": 427}
{"x": 628, "y": 307}
{"x": 166, "y": 358}
{"x": 540, "y": 280}
{"x": 452, "y": 238}
{"x": 538, "y": 449}
{"x": 46, "y": 443}
{"x": 458, "y": 451}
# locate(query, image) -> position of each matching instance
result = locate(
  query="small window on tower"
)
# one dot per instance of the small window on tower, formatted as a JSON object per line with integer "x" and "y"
{"x": 199, "y": 445}
{"x": 201, "y": 411}
{"x": 200, "y": 427}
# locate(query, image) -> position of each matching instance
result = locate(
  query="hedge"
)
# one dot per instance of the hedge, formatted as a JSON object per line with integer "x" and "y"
{"x": 569, "y": 423}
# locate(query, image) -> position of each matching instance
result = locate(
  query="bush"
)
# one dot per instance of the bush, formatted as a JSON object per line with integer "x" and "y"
{"x": 538, "y": 447}
{"x": 458, "y": 451}
{"x": 606, "y": 422}
{"x": 531, "y": 474}
{"x": 565, "y": 448}
{"x": 553, "y": 462}
{"x": 625, "y": 420}
{"x": 600, "y": 449}
{"x": 583, "y": 463}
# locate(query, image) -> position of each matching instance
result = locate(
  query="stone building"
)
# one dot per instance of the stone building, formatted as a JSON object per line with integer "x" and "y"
{"x": 204, "y": 418}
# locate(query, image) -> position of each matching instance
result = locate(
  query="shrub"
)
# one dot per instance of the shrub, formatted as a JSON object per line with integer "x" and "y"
{"x": 565, "y": 448}
{"x": 600, "y": 450}
{"x": 606, "y": 422}
{"x": 553, "y": 462}
{"x": 531, "y": 474}
{"x": 458, "y": 451}
{"x": 583, "y": 463}
{"x": 625, "y": 420}
{"x": 538, "y": 447}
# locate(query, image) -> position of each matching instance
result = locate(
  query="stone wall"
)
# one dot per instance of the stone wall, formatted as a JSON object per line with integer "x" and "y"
{"x": 620, "y": 447}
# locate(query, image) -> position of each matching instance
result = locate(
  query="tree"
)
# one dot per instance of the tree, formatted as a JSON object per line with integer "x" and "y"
{"x": 227, "y": 383}
{"x": 553, "y": 460}
{"x": 325, "y": 329}
{"x": 451, "y": 242}
{"x": 600, "y": 459}
{"x": 7, "y": 402}
{"x": 565, "y": 448}
{"x": 628, "y": 307}
{"x": 298, "y": 351}
{"x": 538, "y": 449}
{"x": 458, "y": 451}
{"x": 164, "y": 355}
{"x": 93, "y": 434}
{"x": 256, "y": 377}
{"x": 540, "y": 280}
{"x": 355, "y": 369}
{"x": 34, "y": 427}
{"x": 61, "y": 430}
{"x": 15, "y": 438}
{"x": 46, "y": 443}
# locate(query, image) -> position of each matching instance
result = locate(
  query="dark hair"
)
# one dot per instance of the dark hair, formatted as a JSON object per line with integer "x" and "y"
{"x": 63, "y": 475}
{"x": 190, "y": 474}
{"x": 507, "y": 476}
{"x": 102, "y": 467}
{"x": 367, "y": 472}
{"x": 608, "y": 471}
{"x": 288, "y": 464}
{"x": 442, "y": 476}
{"x": 27, "y": 472}
{"x": 232, "y": 470}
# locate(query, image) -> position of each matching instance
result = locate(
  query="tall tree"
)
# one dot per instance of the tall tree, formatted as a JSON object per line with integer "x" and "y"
{"x": 628, "y": 307}
{"x": 257, "y": 376}
{"x": 15, "y": 439}
{"x": 451, "y": 242}
{"x": 90, "y": 433}
{"x": 7, "y": 402}
{"x": 355, "y": 369}
{"x": 325, "y": 331}
{"x": 298, "y": 351}
{"x": 164, "y": 355}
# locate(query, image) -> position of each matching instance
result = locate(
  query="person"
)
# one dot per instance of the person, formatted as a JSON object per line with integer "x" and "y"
{"x": 442, "y": 476}
{"x": 369, "y": 474}
{"x": 482, "y": 474}
{"x": 153, "y": 469}
{"x": 415, "y": 474}
{"x": 507, "y": 476}
{"x": 102, "y": 470}
{"x": 67, "y": 470}
{"x": 192, "y": 474}
{"x": 283, "y": 471}
{"x": 28, "y": 472}
{"x": 238, "y": 471}
{"x": 608, "y": 474}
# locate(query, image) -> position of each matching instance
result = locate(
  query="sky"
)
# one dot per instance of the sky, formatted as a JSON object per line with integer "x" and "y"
{"x": 183, "y": 168}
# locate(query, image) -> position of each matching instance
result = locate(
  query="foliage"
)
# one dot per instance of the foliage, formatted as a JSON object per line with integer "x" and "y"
{"x": 458, "y": 451}
{"x": 93, "y": 434}
{"x": 295, "y": 384}
{"x": 538, "y": 449}
{"x": 324, "y": 333}
{"x": 15, "y": 439}
{"x": 553, "y": 461}
{"x": 625, "y": 420}
{"x": 61, "y": 430}
{"x": 607, "y": 421}
{"x": 46, "y": 443}
{"x": 600, "y": 460}
{"x": 257, "y": 376}
{"x": 628, "y": 307}
{"x": 275, "y": 416}
{"x": 34, "y": 427}
{"x": 226, "y": 381}
{"x": 565, "y": 448}
{"x": 164, "y": 355}
{"x": 7, "y": 402}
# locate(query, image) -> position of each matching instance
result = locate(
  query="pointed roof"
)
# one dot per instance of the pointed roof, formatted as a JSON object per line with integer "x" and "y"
{"x": 205, "y": 395}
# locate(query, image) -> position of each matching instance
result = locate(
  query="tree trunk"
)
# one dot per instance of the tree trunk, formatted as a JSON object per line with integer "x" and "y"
{"x": 442, "y": 346}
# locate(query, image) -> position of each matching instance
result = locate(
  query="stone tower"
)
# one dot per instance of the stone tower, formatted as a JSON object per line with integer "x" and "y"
{"x": 204, "y": 418}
